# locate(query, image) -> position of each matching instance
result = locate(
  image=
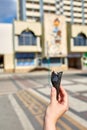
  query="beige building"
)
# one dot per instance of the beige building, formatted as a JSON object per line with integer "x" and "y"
{"x": 77, "y": 45}
{"x": 32, "y": 9}
{"x": 75, "y": 12}
{"x": 20, "y": 47}
{"x": 6, "y": 48}
{"x": 32, "y": 16}
{"x": 46, "y": 33}
{"x": 27, "y": 46}
{"x": 55, "y": 42}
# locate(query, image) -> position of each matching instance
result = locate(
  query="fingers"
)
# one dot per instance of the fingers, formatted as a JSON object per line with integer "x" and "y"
{"x": 64, "y": 97}
{"x": 63, "y": 93}
{"x": 53, "y": 94}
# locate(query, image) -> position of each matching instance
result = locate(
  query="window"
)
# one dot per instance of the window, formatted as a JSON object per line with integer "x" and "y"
{"x": 27, "y": 38}
{"x": 32, "y": 2}
{"x": 24, "y": 59}
{"x": 80, "y": 40}
{"x": 52, "y": 61}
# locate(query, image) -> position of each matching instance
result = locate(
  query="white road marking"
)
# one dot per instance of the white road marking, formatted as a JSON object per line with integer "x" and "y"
{"x": 76, "y": 87}
{"x": 77, "y": 118}
{"x": 81, "y": 80}
{"x": 21, "y": 115}
{"x": 39, "y": 95}
{"x": 77, "y": 105}
{"x": 72, "y": 100}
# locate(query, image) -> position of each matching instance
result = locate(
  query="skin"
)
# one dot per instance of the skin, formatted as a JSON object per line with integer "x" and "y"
{"x": 55, "y": 109}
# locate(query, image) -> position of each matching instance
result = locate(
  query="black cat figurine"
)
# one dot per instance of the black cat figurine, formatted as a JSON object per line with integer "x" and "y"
{"x": 56, "y": 80}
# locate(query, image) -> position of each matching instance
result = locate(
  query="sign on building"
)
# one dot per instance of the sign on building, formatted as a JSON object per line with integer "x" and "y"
{"x": 55, "y": 35}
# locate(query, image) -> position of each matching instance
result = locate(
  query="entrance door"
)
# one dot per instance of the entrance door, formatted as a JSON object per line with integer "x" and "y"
{"x": 74, "y": 63}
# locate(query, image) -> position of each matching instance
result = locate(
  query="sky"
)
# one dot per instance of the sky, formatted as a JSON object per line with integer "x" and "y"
{"x": 7, "y": 11}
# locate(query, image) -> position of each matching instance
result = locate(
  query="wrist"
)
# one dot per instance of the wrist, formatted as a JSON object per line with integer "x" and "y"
{"x": 49, "y": 123}
{"x": 50, "y": 118}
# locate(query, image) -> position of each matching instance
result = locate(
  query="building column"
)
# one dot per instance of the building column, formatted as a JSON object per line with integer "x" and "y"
{"x": 72, "y": 12}
{"x": 38, "y": 42}
{"x": 23, "y": 10}
{"x": 66, "y": 62}
{"x": 83, "y": 17}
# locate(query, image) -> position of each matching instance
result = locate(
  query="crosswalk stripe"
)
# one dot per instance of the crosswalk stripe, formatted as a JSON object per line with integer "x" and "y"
{"x": 75, "y": 122}
{"x": 66, "y": 127}
{"x": 37, "y": 107}
{"x": 69, "y": 113}
{"x": 21, "y": 115}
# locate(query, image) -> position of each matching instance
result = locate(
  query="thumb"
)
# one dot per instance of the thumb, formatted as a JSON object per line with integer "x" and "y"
{"x": 53, "y": 94}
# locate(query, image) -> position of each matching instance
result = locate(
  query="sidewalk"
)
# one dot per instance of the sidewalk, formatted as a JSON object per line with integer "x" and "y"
{"x": 44, "y": 72}
{"x": 69, "y": 71}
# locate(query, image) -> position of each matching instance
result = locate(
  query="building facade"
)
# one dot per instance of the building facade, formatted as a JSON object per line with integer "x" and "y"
{"x": 75, "y": 12}
{"x": 6, "y": 48}
{"x": 39, "y": 11}
{"x": 55, "y": 42}
{"x": 32, "y": 9}
{"x": 46, "y": 33}
{"x": 20, "y": 46}
{"x": 27, "y": 48}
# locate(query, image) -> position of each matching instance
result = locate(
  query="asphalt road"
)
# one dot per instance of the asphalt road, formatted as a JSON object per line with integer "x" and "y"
{"x": 24, "y": 97}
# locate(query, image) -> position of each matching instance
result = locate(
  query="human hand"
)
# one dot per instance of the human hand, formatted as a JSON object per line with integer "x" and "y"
{"x": 56, "y": 108}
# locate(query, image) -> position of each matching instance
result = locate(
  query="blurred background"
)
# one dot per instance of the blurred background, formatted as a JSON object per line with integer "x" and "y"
{"x": 37, "y": 37}
{"x": 39, "y": 33}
